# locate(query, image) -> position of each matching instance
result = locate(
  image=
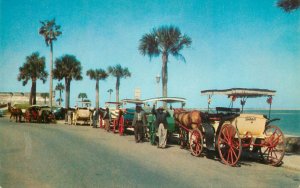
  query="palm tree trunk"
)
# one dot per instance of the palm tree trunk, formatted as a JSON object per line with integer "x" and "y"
{"x": 51, "y": 74}
{"x": 97, "y": 93}
{"x": 59, "y": 97}
{"x": 164, "y": 73}
{"x": 30, "y": 96}
{"x": 117, "y": 91}
{"x": 67, "y": 100}
{"x": 33, "y": 91}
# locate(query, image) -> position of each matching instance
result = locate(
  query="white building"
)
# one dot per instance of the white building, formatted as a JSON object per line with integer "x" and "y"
{"x": 22, "y": 98}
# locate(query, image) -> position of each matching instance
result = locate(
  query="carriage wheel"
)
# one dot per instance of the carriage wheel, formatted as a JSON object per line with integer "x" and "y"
{"x": 229, "y": 144}
{"x": 121, "y": 126}
{"x": 273, "y": 148}
{"x": 196, "y": 142}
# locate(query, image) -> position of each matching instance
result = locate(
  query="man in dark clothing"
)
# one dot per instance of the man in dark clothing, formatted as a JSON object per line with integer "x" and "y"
{"x": 161, "y": 125}
{"x": 106, "y": 118}
{"x": 139, "y": 122}
{"x": 95, "y": 117}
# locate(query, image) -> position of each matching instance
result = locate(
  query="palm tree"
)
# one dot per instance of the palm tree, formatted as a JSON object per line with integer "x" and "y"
{"x": 118, "y": 72}
{"x": 164, "y": 41}
{"x": 50, "y": 32}
{"x": 60, "y": 87}
{"x": 44, "y": 96}
{"x": 98, "y": 74}
{"x": 60, "y": 100}
{"x": 288, "y": 5}
{"x": 67, "y": 67}
{"x": 82, "y": 96}
{"x": 33, "y": 69}
{"x": 110, "y": 91}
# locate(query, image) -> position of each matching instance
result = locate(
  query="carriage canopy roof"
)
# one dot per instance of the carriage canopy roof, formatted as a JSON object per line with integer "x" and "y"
{"x": 240, "y": 92}
{"x": 113, "y": 103}
{"x": 167, "y": 99}
{"x": 133, "y": 101}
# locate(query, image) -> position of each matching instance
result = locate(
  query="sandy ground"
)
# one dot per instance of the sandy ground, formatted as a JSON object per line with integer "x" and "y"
{"x": 39, "y": 155}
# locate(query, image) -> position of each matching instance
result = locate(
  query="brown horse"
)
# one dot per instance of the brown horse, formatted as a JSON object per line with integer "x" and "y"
{"x": 186, "y": 121}
{"x": 15, "y": 112}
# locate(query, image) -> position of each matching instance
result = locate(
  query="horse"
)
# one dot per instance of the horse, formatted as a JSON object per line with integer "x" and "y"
{"x": 15, "y": 112}
{"x": 187, "y": 121}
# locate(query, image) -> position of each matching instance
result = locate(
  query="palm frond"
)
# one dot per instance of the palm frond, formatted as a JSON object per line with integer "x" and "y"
{"x": 288, "y": 5}
{"x": 67, "y": 67}
{"x": 34, "y": 67}
{"x": 49, "y": 30}
{"x": 149, "y": 45}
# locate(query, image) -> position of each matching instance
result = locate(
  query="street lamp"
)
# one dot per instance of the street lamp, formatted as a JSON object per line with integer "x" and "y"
{"x": 157, "y": 81}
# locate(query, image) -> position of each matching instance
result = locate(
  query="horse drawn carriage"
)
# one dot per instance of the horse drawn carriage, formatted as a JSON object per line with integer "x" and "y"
{"x": 172, "y": 127}
{"x": 127, "y": 114}
{"x": 115, "y": 114}
{"x": 82, "y": 114}
{"x": 229, "y": 131}
{"x": 39, "y": 113}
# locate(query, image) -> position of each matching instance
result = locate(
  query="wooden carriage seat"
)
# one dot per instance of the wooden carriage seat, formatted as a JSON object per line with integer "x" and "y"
{"x": 227, "y": 110}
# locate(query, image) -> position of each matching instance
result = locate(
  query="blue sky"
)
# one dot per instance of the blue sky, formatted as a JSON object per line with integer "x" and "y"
{"x": 243, "y": 43}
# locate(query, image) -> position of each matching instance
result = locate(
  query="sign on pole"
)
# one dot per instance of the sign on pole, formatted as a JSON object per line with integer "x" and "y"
{"x": 137, "y": 93}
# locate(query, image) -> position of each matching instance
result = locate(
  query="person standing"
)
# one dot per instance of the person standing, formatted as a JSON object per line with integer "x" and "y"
{"x": 139, "y": 122}
{"x": 106, "y": 118}
{"x": 161, "y": 125}
{"x": 95, "y": 117}
{"x": 171, "y": 111}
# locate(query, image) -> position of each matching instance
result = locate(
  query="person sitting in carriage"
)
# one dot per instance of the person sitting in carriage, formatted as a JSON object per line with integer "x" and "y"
{"x": 139, "y": 122}
{"x": 161, "y": 125}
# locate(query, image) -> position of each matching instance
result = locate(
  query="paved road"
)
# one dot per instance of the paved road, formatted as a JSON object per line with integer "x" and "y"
{"x": 38, "y": 155}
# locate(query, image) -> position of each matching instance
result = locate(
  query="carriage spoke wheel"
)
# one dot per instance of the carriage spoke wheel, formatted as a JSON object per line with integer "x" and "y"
{"x": 273, "y": 148}
{"x": 121, "y": 125}
{"x": 196, "y": 142}
{"x": 229, "y": 145}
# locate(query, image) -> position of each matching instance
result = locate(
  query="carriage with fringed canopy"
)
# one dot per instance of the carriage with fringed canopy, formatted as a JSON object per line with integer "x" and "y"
{"x": 170, "y": 102}
{"x": 230, "y": 131}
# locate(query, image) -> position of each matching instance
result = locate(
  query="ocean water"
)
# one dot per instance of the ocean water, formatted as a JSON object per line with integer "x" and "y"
{"x": 289, "y": 121}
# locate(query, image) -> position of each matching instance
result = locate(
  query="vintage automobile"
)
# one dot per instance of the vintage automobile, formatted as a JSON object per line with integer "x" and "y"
{"x": 229, "y": 131}
{"x": 172, "y": 128}
{"x": 39, "y": 113}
